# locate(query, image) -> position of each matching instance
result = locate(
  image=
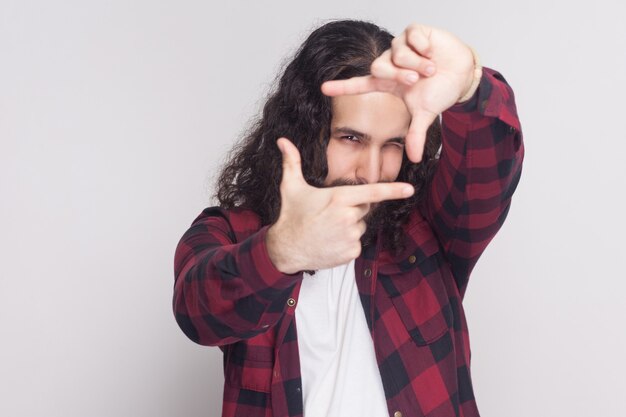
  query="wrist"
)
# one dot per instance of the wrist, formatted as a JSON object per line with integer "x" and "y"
{"x": 280, "y": 259}
{"x": 476, "y": 76}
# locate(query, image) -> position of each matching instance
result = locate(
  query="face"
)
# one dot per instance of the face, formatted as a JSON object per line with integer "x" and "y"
{"x": 366, "y": 138}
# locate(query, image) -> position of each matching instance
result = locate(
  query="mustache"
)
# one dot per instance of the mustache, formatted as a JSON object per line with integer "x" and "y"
{"x": 349, "y": 181}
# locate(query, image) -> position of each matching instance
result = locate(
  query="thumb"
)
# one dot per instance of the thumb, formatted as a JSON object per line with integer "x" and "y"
{"x": 292, "y": 165}
{"x": 416, "y": 137}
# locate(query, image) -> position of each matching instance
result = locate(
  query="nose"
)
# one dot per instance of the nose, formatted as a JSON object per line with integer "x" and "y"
{"x": 370, "y": 165}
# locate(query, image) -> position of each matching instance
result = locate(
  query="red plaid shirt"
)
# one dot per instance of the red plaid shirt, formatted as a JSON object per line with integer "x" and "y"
{"x": 229, "y": 294}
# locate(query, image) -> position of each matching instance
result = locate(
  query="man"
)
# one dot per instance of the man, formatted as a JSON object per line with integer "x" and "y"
{"x": 332, "y": 273}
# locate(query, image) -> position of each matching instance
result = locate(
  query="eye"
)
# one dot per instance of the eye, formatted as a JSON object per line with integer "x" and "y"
{"x": 395, "y": 144}
{"x": 349, "y": 138}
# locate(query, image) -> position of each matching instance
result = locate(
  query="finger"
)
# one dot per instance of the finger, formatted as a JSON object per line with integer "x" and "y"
{"x": 357, "y": 85}
{"x": 384, "y": 69}
{"x": 353, "y": 195}
{"x": 402, "y": 65}
{"x": 403, "y": 56}
{"x": 354, "y": 214}
{"x": 362, "y": 227}
{"x": 415, "y": 139}
{"x": 362, "y": 209}
{"x": 418, "y": 38}
{"x": 292, "y": 164}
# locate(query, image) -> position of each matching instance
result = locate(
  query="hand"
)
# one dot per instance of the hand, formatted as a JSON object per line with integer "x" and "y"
{"x": 321, "y": 227}
{"x": 430, "y": 69}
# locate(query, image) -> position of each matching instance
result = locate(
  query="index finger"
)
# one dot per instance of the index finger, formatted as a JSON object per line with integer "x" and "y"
{"x": 357, "y": 85}
{"x": 354, "y": 195}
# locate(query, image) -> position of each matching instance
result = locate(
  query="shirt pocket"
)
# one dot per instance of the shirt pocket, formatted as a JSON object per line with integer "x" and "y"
{"x": 249, "y": 367}
{"x": 418, "y": 294}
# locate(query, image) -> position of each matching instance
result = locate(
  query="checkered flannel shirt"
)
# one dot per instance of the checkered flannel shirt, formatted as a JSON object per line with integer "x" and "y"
{"x": 227, "y": 292}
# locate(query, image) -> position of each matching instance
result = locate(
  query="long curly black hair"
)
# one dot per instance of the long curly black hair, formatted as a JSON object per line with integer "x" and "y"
{"x": 297, "y": 109}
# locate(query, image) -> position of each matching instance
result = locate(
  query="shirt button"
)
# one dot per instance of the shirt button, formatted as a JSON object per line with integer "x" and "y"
{"x": 265, "y": 326}
{"x": 291, "y": 302}
{"x": 412, "y": 259}
{"x": 511, "y": 129}
{"x": 367, "y": 272}
{"x": 397, "y": 414}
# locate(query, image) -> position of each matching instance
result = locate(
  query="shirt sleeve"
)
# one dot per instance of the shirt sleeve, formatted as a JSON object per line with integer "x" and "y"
{"x": 478, "y": 170}
{"x": 225, "y": 290}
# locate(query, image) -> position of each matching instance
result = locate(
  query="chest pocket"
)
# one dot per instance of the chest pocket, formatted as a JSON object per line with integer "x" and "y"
{"x": 418, "y": 293}
{"x": 249, "y": 366}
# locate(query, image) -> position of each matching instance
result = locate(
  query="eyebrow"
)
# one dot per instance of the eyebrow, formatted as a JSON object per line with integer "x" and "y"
{"x": 364, "y": 136}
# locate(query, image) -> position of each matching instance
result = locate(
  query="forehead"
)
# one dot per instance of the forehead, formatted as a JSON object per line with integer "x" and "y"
{"x": 375, "y": 113}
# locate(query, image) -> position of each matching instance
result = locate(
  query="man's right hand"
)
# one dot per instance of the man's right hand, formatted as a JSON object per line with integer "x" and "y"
{"x": 321, "y": 227}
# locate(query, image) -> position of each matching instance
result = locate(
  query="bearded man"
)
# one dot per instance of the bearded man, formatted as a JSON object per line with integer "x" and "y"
{"x": 350, "y": 217}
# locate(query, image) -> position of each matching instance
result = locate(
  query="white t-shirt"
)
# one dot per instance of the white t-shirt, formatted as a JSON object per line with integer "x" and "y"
{"x": 340, "y": 376}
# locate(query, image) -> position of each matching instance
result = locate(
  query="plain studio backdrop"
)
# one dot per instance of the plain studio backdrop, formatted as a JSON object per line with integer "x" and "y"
{"x": 115, "y": 116}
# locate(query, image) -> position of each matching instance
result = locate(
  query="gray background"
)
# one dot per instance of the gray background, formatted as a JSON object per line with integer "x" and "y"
{"x": 114, "y": 115}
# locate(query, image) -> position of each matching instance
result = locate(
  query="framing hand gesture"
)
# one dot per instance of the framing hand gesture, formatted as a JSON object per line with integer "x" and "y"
{"x": 429, "y": 68}
{"x": 321, "y": 227}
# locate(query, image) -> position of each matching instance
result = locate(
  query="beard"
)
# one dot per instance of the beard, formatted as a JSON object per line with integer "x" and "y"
{"x": 375, "y": 217}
